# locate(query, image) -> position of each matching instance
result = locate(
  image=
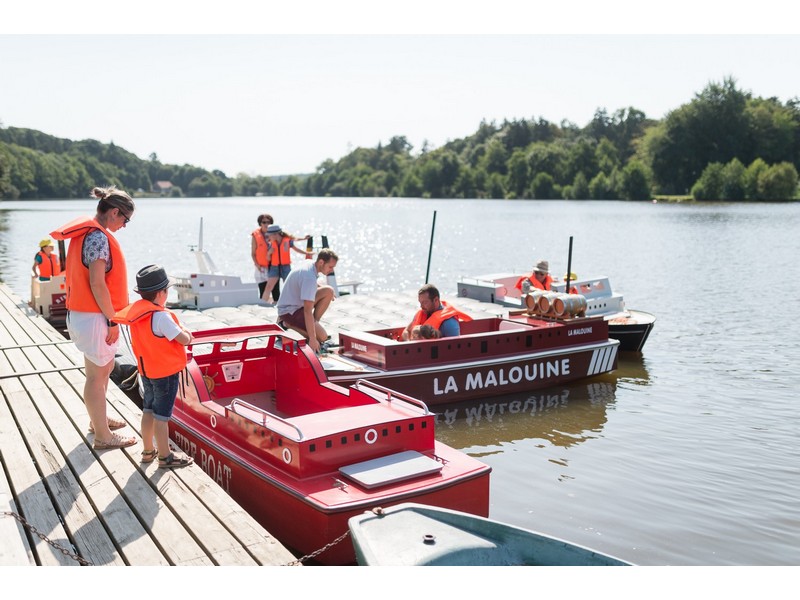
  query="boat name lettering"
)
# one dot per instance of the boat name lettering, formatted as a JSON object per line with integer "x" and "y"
{"x": 478, "y": 380}
{"x": 185, "y": 444}
{"x": 216, "y": 469}
{"x": 360, "y": 347}
{"x": 581, "y": 331}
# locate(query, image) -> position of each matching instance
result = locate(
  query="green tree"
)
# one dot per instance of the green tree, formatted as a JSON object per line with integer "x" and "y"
{"x": 778, "y": 182}
{"x": 543, "y": 187}
{"x": 495, "y": 186}
{"x": 601, "y": 187}
{"x": 204, "y": 186}
{"x": 713, "y": 127}
{"x": 751, "y": 177}
{"x": 580, "y": 187}
{"x": 774, "y": 130}
{"x": 733, "y": 187}
{"x": 411, "y": 186}
{"x": 518, "y": 173}
{"x": 495, "y": 159}
{"x": 709, "y": 185}
{"x": 635, "y": 182}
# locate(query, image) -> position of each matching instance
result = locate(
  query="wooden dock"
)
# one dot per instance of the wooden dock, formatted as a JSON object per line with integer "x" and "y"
{"x": 64, "y": 503}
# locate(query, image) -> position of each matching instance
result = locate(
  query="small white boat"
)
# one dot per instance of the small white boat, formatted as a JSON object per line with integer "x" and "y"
{"x": 412, "y": 534}
{"x": 207, "y": 287}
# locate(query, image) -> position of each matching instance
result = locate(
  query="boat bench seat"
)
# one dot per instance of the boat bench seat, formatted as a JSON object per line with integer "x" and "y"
{"x": 391, "y": 469}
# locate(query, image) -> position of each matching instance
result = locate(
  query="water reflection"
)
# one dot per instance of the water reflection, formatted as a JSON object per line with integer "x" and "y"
{"x": 563, "y": 416}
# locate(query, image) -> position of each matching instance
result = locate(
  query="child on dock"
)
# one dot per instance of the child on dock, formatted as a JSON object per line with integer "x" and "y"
{"x": 158, "y": 344}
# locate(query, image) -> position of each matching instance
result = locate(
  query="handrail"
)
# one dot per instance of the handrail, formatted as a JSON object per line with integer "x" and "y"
{"x": 265, "y": 414}
{"x": 390, "y": 393}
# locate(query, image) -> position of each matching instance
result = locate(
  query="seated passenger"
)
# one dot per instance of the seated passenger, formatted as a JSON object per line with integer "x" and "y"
{"x": 539, "y": 278}
{"x": 439, "y": 315}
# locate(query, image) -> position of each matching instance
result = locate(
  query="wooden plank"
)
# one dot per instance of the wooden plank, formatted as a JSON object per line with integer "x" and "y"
{"x": 228, "y": 515}
{"x": 23, "y": 320}
{"x": 32, "y": 499}
{"x": 112, "y": 507}
{"x": 145, "y": 531}
{"x": 264, "y": 548}
{"x": 85, "y": 532}
{"x": 15, "y": 550}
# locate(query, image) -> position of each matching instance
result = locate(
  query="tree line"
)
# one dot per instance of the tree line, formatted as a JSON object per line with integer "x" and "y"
{"x": 724, "y": 144}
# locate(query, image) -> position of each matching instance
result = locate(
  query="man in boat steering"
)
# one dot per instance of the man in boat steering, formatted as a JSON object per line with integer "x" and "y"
{"x": 540, "y": 277}
{"x": 438, "y": 314}
{"x": 303, "y": 300}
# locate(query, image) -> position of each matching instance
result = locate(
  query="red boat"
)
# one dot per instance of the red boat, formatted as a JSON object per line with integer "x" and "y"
{"x": 492, "y": 356}
{"x": 303, "y": 455}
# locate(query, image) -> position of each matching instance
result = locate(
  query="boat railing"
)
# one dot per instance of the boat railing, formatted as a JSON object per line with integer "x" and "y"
{"x": 265, "y": 417}
{"x": 390, "y": 393}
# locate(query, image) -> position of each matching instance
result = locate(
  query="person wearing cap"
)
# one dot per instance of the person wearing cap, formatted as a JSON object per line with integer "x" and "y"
{"x": 45, "y": 263}
{"x": 280, "y": 260}
{"x": 539, "y": 278}
{"x": 97, "y": 287}
{"x": 158, "y": 341}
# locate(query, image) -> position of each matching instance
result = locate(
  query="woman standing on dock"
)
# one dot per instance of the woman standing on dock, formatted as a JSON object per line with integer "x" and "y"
{"x": 97, "y": 287}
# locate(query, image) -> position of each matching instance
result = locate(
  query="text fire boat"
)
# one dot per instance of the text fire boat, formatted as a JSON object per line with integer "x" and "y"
{"x": 303, "y": 455}
{"x": 528, "y": 350}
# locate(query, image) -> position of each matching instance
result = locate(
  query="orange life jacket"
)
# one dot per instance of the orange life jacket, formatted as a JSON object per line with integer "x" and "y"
{"x": 49, "y": 267}
{"x": 79, "y": 292}
{"x": 548, "y": 282}
{"x": 280, "y": 252}
{"x": 261, "y": 248}
{"x": 156, "y": 356}
{"x": 439, "y": 316}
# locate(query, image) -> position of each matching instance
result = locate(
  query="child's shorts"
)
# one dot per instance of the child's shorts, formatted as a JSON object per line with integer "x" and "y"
{"x": 159, "y": 396}
{"x": 281, "y": 271}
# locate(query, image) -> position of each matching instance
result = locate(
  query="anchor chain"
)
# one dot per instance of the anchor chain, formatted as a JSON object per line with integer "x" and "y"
{"x": 44, "y": 538}
{"x": 300, "y": 560}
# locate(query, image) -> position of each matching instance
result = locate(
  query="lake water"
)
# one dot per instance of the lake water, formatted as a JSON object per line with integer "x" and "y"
{"x": 686, "y": 455}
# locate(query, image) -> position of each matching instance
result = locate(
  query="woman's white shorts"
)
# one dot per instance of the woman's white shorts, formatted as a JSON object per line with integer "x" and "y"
{"x": 88, "y": 331}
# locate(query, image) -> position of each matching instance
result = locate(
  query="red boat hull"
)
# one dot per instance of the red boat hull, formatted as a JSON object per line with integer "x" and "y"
{"x": 492, "y": 357}
{"x": 303, "y": 455}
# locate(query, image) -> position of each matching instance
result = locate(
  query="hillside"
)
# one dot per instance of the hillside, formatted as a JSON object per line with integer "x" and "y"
{"x": 724, "y": 144}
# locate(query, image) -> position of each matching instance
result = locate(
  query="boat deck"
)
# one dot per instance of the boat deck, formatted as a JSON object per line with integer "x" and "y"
{"x": 351, "y": 312}
{"x": 64, "y": 503}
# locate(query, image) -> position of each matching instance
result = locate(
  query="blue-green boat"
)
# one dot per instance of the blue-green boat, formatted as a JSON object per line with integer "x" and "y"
{"x": 412, "y": 534}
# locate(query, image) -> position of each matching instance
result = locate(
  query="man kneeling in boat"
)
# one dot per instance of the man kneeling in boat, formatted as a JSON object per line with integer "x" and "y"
{"x": 303, "y": 301}
{"x": 436, "y": 313}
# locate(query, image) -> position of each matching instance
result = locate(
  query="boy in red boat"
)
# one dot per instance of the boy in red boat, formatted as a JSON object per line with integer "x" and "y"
{"x": 158, "y": 343}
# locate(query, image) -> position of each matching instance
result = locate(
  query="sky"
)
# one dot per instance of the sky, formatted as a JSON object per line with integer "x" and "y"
{"x": 267, "y": 91}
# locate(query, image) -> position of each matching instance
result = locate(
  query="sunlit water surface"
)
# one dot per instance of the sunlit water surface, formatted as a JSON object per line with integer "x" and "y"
{"x": 686, "y": 455}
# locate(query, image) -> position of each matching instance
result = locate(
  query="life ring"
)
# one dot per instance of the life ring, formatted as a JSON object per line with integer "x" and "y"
{"x": 287, "y": 455}
{"x": 371, "y": 433}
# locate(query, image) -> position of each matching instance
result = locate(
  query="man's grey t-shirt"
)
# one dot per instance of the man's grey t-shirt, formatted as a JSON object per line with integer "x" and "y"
{"x": 300, "y": 286}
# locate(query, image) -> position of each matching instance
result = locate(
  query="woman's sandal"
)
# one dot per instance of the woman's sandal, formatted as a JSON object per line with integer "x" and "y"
{"x": 149, "y": 456}
{"x": 116, "y": 441}
{"x": 173, "y": 461}
{"x": 113, "y": 424}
